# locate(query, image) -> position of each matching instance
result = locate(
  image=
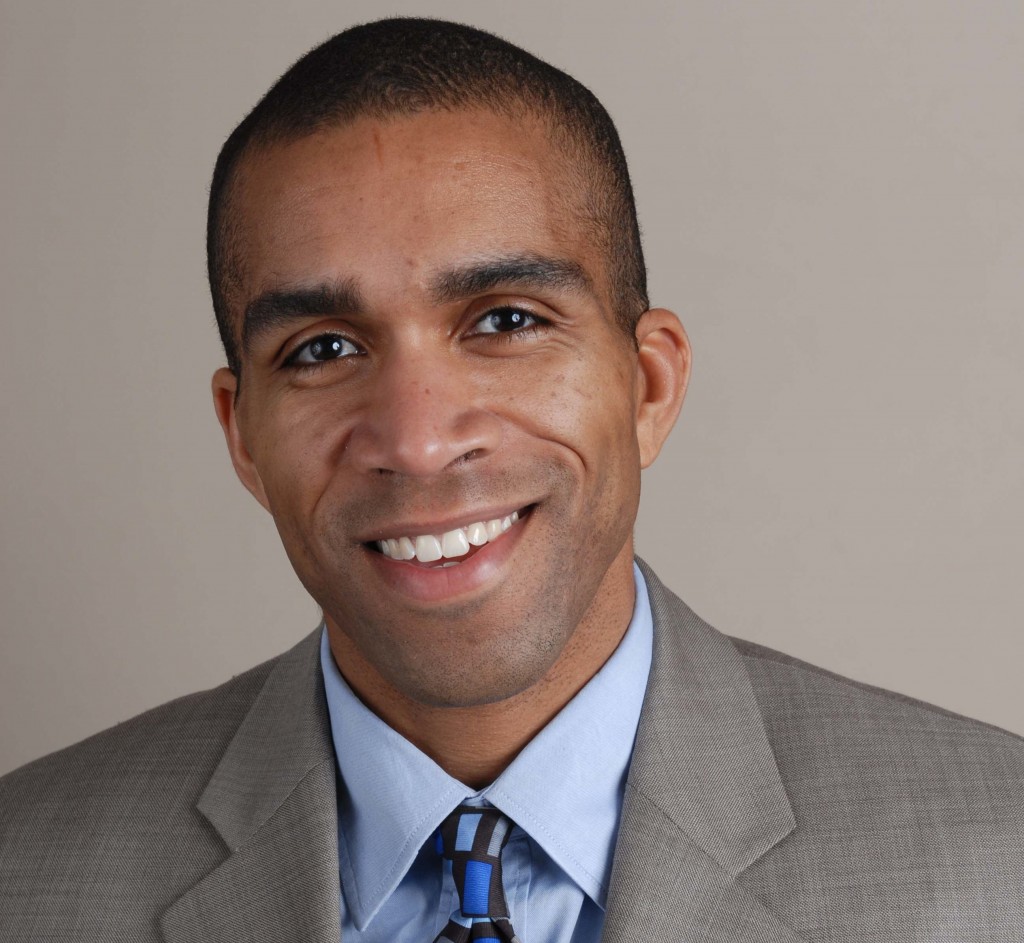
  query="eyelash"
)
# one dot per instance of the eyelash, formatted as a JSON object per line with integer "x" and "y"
{"x": 291, "y": 360}
{"x": 521, "y": 334}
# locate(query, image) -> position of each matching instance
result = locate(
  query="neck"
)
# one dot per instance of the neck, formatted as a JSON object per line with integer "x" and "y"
{"x": 475, "y": 744}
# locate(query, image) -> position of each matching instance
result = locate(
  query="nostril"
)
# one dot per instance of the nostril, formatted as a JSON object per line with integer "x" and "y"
{"x": 468, "y": 456}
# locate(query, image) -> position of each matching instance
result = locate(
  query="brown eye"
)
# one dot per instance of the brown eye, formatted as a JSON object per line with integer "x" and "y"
{"x": 323, "y": 348}
{"x": 505, "y": 320}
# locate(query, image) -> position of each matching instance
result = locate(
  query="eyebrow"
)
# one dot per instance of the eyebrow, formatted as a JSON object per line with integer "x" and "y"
{"x": 279, "y": 306}
{"x": 520, "y": 271}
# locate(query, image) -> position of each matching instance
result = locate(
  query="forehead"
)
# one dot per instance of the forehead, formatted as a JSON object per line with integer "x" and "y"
{"x": 391, "y": 201}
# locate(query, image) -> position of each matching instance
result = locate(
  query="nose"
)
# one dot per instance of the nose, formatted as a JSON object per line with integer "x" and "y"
{"x": 424, "y": 412}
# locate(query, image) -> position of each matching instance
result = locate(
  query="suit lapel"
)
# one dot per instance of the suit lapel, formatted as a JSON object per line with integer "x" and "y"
{"x": 704, "y": 799}
{"x": 273, "y": 801}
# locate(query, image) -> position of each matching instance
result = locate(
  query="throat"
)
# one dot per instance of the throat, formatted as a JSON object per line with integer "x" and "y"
{"x": 474, "y": 750}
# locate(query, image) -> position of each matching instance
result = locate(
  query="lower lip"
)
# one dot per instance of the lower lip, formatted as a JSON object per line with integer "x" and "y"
{"x": 432, "y": 584}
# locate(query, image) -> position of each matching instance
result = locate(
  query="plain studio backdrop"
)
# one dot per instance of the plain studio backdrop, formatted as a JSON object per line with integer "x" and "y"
{"x": 832, "y": 198}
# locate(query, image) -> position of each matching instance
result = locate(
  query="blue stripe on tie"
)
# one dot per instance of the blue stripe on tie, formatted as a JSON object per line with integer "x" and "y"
{"x": 467, "y": 832}
{"x": 476, "y": 893}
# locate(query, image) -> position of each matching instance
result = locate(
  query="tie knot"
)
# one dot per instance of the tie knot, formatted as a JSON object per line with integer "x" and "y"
{"x": 471, "y": 839}
{"x": 473, "y": 832}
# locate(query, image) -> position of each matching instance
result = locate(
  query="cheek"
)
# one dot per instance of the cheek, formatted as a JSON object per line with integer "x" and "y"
{"x": 296, "y": 450}
{"x": 585, "y": 403}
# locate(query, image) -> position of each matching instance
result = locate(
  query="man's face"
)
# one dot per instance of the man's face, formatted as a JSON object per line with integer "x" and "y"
{"x": 429, "y": 351}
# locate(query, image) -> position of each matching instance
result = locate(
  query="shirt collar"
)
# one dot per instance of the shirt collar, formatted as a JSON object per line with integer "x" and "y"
{"x": 564, "y": 789}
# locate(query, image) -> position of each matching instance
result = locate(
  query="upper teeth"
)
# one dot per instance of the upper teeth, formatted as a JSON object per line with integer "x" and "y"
{"x": 453, "y": 543}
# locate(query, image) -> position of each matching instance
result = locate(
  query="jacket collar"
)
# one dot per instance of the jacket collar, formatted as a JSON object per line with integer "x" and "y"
{"x": 272, "y": 799}
{"x": 704, "y": 799}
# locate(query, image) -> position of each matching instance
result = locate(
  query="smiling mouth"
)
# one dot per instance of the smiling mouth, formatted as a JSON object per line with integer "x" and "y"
{"x": 450, "y": 548}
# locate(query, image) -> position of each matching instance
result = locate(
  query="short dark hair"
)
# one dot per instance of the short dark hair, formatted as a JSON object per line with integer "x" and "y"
{"x": 403, "y": 66}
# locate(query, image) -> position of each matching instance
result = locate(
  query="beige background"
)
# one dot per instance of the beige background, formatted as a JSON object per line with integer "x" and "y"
{"x": 833, "y": 199}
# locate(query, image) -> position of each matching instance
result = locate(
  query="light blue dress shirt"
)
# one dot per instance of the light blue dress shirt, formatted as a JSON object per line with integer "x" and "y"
{"x": 563, "y": 791}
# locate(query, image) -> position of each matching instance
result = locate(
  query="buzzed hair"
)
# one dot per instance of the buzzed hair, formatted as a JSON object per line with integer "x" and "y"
{"x": 403, "y": 66}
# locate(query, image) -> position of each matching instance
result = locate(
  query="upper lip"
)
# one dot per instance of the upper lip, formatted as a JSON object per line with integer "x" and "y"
{"x": 442, "y": 525}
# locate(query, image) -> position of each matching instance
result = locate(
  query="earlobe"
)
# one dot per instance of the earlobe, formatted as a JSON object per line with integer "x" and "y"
{"x": 663, "y": 372}
{"x": 225, "y": 387}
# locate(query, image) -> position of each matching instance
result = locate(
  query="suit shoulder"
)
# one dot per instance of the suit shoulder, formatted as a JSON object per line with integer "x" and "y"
{"x": 777, "y": 675}
{"x": 123, "y": 807}
{"x": 868, "y": 744}
{"x": 173, "y": 741}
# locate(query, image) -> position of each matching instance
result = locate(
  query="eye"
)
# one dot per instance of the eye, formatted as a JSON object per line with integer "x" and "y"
{"x": 505, "y": 320}
{"x": 321, "y": 349}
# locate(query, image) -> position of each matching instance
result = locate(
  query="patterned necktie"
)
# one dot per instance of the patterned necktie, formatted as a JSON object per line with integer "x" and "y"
{"x": 470, "y": 840}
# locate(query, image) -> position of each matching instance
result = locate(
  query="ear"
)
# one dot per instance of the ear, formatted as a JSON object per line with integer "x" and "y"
{"x": 663, "y": 371}
{"x": 225, "y": 402}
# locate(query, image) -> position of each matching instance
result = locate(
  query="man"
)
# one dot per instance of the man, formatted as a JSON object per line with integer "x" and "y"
{"x": 443, "y": 381}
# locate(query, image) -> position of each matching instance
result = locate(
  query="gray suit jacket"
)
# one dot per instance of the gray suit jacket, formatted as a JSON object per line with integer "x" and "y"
{"x": 768, "y": 801}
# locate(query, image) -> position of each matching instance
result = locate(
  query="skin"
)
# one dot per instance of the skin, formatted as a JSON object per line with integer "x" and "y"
{"x": 442, "y": 409}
